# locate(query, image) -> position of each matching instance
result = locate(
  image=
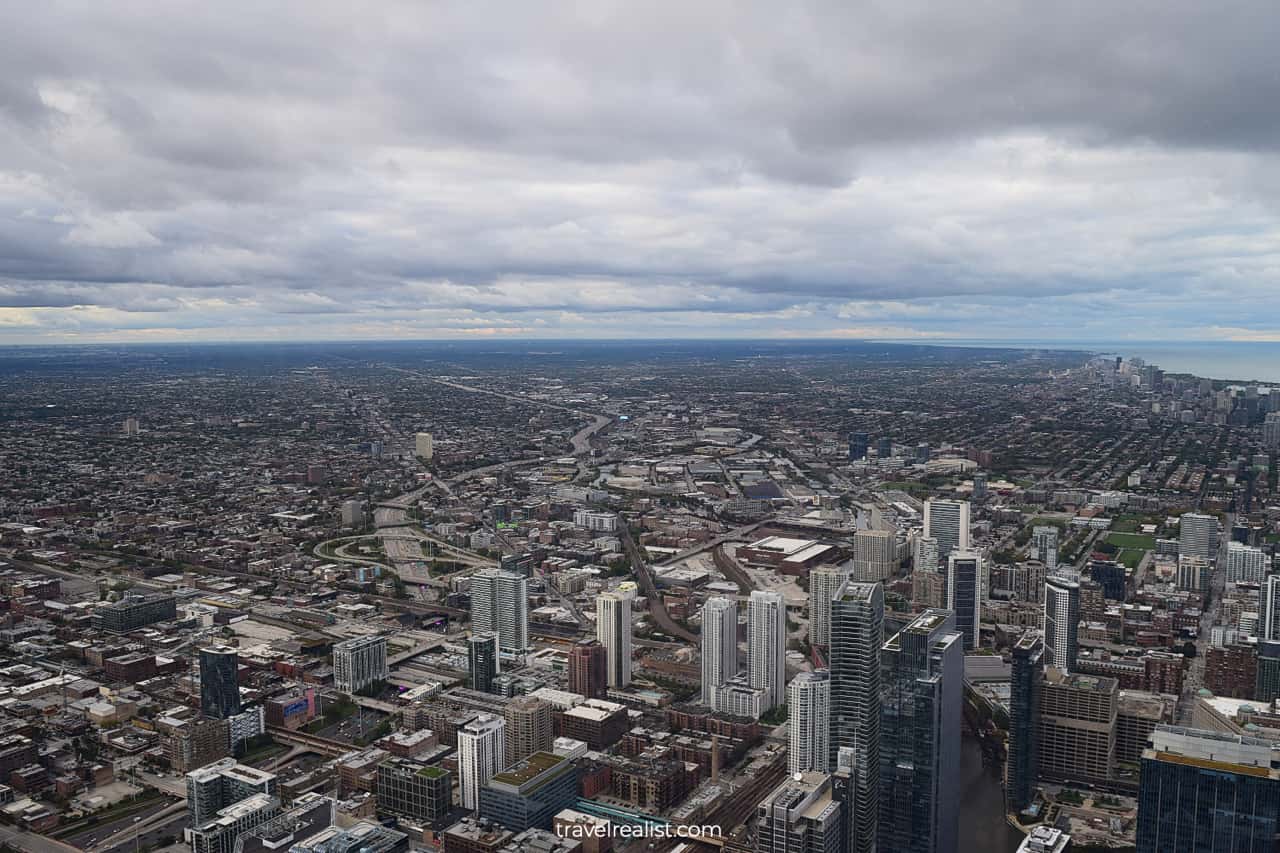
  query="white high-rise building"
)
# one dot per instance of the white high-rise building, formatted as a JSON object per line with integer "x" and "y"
{"x": 613, "y": 630}
{"x": 1198, "y": 535}
{"x": 767, "y": 645}
{"x": 353, "y": 513}
{"x": 809, "y": 722}
{"x": 500, "y": 605}
{"x": 925, "y": 557}
{"x": 130, "y": 427}
{"x": 423, "y": 445}
{"x": 824, "y": 583}
{"x": 1061, "y": 621}
{"x": 964, "y": 594}
{"x": 1044, "y": 546}
{"x": 359, "y": 662}
{"x": 482, "y": 753}
{"x": 1270, "y": 608}
{"x": 875, "y": 555}
{"x": 719, "y": 645}
{"x": 948, "y": 522}
{"x": 1245, "y": 564}
{"x": 1271, "y": 428}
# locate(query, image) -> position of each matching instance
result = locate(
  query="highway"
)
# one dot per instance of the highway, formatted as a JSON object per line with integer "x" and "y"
{"x": 29, "y": 842}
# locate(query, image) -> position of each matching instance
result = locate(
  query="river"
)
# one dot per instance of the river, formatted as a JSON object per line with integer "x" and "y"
{"x": 982, "y": 825}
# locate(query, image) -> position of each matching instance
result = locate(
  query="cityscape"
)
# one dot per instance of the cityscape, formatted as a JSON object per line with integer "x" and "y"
{"x": 671, "y": 596}
{"x": 639, "y": 427}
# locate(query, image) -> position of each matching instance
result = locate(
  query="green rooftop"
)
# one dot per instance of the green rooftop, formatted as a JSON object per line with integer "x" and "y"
{"x": 529, "y": 769}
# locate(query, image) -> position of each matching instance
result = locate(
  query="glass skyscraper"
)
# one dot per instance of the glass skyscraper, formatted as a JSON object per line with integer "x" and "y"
{"x": 1208, "y": 792}
{"x": 1024, "y": 704}
{"x": 921, "y": 694}
{"x": 219, "y": 686}
{"x": 857, "y": 633}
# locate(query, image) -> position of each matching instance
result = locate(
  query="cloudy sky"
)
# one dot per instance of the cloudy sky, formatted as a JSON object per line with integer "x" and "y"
{"x": 1074, "y": 171}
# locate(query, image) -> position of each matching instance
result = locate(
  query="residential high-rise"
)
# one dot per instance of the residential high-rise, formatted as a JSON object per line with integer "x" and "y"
{"x": 1271, "y": 428}
{"x": 219, "y": 833}
{"x": 801, "y": 815}
{"x": 875, "y": 555}
{"x": 857, "y": 633}
{"x": 1044, "y": 546}
{"x": 483, "y": 661}
{"x": 964, "y": 594}
{"x": 529, "y": 728}
{"x": 482, "y": 752}
{"x": 824, "y": 583}
{"x": 924, "y": 554}
{"x": 359, "y": 663}
{"x": 219, "y": 683}
{"x": 215, "y": 786}
{"x": 420, "y": 792}
{"x": 1076, "y": 731}
{"x": 423, "y": 445}
{"x": 948, "y": 522}
{"x": 884, "y": 447}
{"x": 1198, "y": 535}
{"x": 921, "y": 693}
{"x": 613, "y": 630}
{"x": 1061, "y": 620}
{"x": 1194, "y": 573}
{"x": 767, "y": 645}
{"x": 1208, "y": 792}
{"x": 1245, "y": 564}
{"x": 1021, "y": 769}
{"x": 1266, "y": 687}
{"x": 589, "y": 669}
{"x": 979, "y": 485}
{"x": 1270, "y": 606}
{"x": 352, "y": 513}
{"x": 130, "y": 427}
{"x": 500, "y": 605}
{"x": 719, "y": 644}
{"x": 809, "y": 722}
{"x": 857, "y": 446}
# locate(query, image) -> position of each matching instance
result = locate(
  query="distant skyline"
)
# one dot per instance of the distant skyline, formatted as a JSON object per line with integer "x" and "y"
{"x": 1087, "y": 172}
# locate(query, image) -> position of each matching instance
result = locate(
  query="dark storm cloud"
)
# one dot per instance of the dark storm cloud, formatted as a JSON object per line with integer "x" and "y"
{"x": 548, "y": 162}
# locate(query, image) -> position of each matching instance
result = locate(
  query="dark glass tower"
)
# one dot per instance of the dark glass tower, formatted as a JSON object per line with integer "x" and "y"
{"x": 1208, "y": 792}
{"x": 1024, "y": 704}
{"x": 482, "y": 660}
{"x": 857, "y": 633}
{"x": 219, "y": 685}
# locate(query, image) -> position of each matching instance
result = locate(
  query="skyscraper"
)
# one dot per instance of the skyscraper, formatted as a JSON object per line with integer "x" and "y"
{"x": 1266, "y": 686}
{"x": 423, "y": 445}
{"x": 219, "y": 683}
{"x": 948, "y": 522}
{"x": 482, "y": 752}
{"x": 529, "y": 728}
{"x": 921, "y": 695}
{"x": 767, "y": 645}
{"x": 800, "y": 816}
{"x": 1198, "y": 535}
{"x": 824, "y": 583}
{"x": 809, "y": 722}
{"x": 875, "y": 555}
{"x": 1024, "y": 704}
{"x": 588, "y": 669}
{"x": 359, "y": 663}
{"x": 719, "y": 644}
{"x": 500, "y": 605}
{"x": 980, "y": 485}
{"x": 884, "y": 447}
{"x": 925, "y": 557}
{"x": 857, "y": 633}
{"x": 1061, "y": 620}
{"x": 964, "y": 594}
{"x": 857, "y": 446}
{"x": 483, "y": 661}
{"x": 613, "y": 630}
{"x": 1270, "y": 592}
{"x": 1208, "y": 792}
{"x": 1044, "y": 546}
{"x": 1245, "y": 564}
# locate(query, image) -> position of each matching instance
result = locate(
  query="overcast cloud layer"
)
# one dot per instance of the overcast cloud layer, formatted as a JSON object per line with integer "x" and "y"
{"x": 217, "y": 171}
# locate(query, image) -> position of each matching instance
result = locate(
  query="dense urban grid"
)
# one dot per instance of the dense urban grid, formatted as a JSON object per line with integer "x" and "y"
{"x": 753, "y": 597}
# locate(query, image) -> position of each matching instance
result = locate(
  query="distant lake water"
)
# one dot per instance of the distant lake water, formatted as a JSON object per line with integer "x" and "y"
{"x": 1236, "y": 360}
